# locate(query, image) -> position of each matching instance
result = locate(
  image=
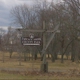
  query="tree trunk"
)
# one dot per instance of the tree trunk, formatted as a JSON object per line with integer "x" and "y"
{"x": 3, "y": 57}
{"x": 55, "y": 54}
{"x": 77, "y": 51}
{"x": 19, "y": 59}
{"x": 62, "y": 55}
{"x": 32, "y": 56}
{"x": 42, "y": 57}
{"x": 35, "y": 56}
{"x": 62, "y": 49}
{"x": 73, "y": 52}
{"x": 29, "y": 56}
{"x": 25, "y": 57}
{"x": 52, "y": 58}
{"x": 73, "y": 56}
{"x": 11, "y": 53}
{"x": 62, "y": 58}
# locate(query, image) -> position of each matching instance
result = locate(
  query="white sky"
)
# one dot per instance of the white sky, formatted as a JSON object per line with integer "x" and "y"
{"x": 5, "y": 7}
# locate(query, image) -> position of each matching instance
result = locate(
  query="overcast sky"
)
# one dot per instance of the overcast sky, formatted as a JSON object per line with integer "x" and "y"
{"x": 5, "y": 7}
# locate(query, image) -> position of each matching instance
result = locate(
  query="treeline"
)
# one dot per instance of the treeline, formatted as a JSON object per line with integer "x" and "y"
{"x": 65, "y": 14}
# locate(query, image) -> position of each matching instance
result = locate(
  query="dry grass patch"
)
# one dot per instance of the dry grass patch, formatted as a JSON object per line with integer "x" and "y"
{"x": 34, "y": 64}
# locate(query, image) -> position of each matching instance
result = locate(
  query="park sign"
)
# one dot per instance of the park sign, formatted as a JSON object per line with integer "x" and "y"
{"x": 44, "y": 66}
{"x": 31, "y": 41}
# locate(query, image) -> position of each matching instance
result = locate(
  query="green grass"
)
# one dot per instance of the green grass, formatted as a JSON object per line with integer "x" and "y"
{"x": 6, "y": 76}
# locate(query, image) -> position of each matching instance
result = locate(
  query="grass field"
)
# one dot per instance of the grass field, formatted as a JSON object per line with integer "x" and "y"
{"x": 8, "y": 76}
{"x": 10, "y": 69}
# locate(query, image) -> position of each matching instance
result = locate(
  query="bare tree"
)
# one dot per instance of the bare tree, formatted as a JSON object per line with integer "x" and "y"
{"x": 74, "y": 22}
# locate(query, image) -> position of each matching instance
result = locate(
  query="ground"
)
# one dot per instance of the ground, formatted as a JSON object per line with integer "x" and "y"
{"x": 10, "y": 69}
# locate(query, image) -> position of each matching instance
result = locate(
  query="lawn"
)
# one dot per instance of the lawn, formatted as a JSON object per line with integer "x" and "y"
{"x": 11, "y": 69}
{"x": 8, "y": 76}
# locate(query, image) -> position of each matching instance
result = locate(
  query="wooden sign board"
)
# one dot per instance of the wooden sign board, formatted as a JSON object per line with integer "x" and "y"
{"x": 27, "y": 41}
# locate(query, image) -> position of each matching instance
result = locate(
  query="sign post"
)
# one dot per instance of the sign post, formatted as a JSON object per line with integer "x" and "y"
{"x": 44, "y": 65}
{"x": 31, "y": 40}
